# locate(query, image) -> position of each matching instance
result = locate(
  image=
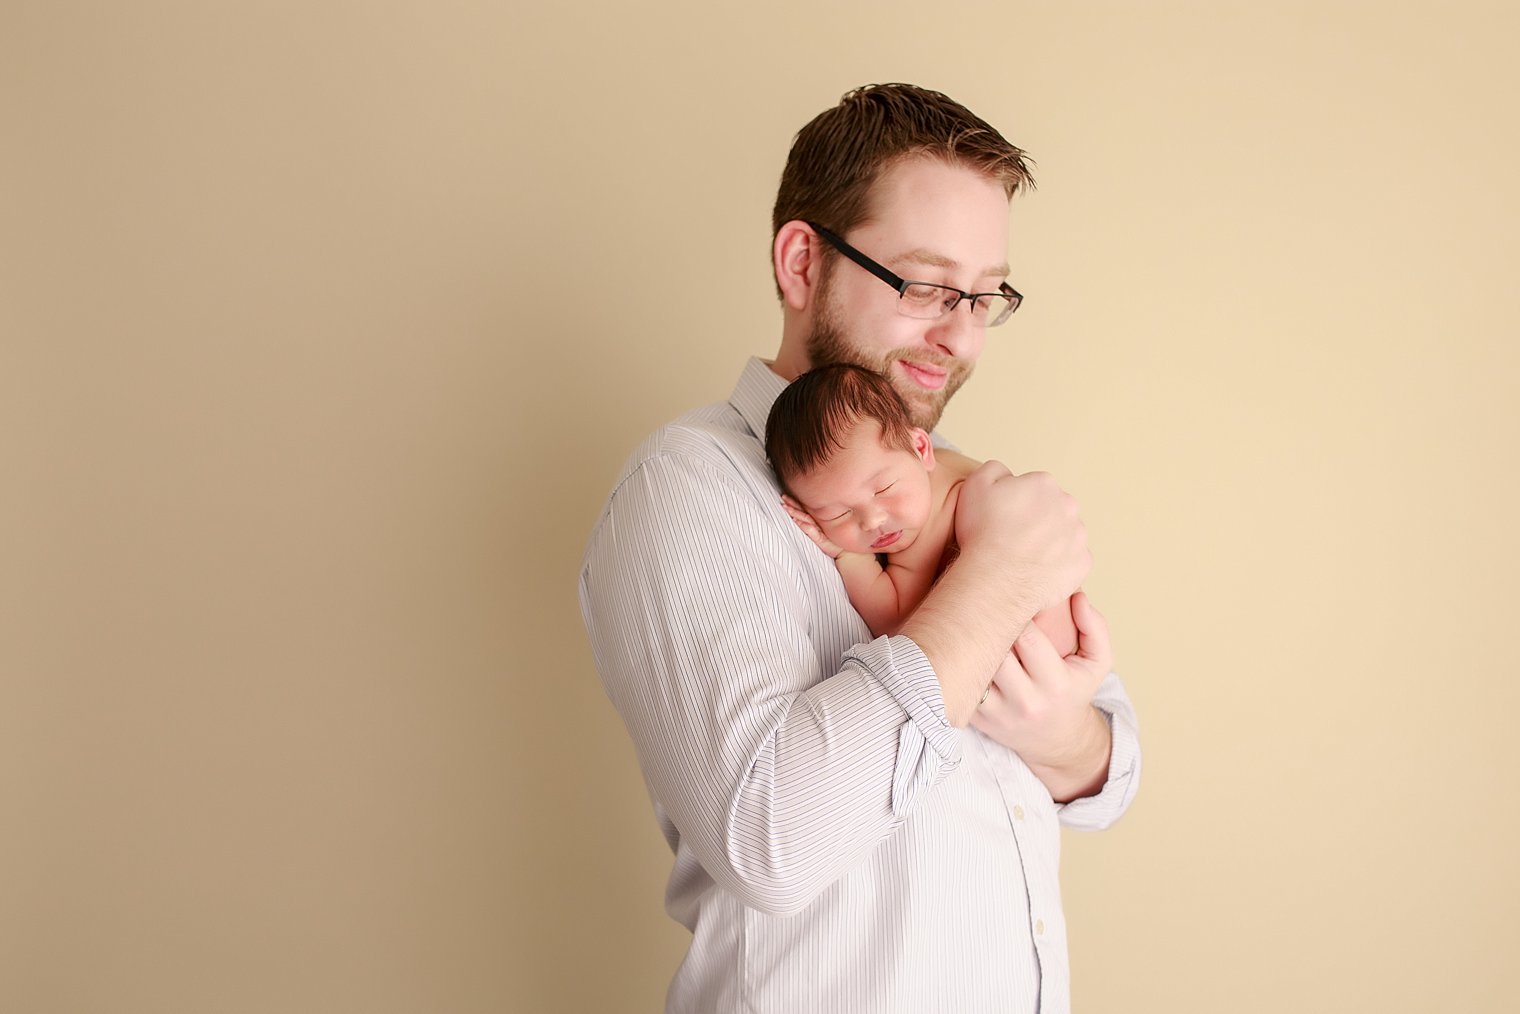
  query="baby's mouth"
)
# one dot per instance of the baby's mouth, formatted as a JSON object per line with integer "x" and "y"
{"x": 886, "y": 540}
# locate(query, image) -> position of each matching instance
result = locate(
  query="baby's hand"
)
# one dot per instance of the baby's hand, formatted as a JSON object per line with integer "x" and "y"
{"x": 810, "y": 527}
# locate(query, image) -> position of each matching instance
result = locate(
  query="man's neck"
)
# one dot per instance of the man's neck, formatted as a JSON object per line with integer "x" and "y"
{"x": 788, "y": 365}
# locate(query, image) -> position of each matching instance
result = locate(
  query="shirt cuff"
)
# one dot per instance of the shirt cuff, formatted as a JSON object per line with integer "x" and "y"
{"x": 928, "y": 746}
{"x": 1094, "y": 813}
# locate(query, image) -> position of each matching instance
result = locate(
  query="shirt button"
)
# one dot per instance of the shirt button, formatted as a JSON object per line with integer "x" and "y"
{"x": 1039, "y": 927}
{"x": 1018, "y": 812}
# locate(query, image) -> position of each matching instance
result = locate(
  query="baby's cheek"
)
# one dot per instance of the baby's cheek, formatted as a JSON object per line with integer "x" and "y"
{"x": 1058, "y": 625}
{"x": 846, "y": 539}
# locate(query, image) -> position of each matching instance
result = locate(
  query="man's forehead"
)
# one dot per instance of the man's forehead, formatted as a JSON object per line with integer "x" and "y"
{"x": 925, "y": 257}
{"x": 924, "y": 212}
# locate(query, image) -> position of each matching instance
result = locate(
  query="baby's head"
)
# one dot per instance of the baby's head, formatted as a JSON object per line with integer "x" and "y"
{"x": 841, "y": 442}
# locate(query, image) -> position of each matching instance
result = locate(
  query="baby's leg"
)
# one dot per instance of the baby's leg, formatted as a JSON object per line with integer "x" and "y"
{"x": 1059, "y": 627}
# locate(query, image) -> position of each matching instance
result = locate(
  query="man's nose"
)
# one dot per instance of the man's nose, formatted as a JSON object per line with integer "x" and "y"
{"x": 957, "y": 334}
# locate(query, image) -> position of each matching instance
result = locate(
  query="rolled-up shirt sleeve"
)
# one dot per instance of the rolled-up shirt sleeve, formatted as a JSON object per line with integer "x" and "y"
{"x": 1094, "y": 813}
{"x": 780, "y": 770}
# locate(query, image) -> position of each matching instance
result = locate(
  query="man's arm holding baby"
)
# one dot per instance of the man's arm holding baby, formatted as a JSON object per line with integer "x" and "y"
{"x": 1040, "y": 705}
{"x": 1023, "y": 549}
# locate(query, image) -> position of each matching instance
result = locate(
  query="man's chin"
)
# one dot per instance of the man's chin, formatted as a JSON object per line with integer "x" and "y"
{"x": 924, "y": 407}
{"x": 827, "y": 345}
{"x": 925, "y": 418}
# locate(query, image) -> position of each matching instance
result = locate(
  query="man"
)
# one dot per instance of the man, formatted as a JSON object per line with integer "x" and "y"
{"x": 842, "y": 841}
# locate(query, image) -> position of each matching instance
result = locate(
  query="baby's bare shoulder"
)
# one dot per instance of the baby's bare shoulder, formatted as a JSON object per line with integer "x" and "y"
{"x": 955, "y": 464}
{"x": 951, "y": 468}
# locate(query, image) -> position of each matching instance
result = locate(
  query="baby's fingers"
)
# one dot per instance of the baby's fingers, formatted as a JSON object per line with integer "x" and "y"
{"x": 798, "y": 515}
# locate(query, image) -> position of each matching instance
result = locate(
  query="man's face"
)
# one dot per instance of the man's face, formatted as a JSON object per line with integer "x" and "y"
{"x": 869, "y": 497}
{"x": 930, "y": 222}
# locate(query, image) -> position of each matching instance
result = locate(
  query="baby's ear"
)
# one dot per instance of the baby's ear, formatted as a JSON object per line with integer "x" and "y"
{"x": 924, "y": 448}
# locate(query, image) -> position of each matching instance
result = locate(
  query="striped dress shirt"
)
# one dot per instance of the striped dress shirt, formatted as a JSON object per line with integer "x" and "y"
{"x": 838, "y": 845}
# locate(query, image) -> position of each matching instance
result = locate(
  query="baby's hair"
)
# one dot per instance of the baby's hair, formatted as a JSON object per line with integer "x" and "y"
{"x": 816, "y": 410}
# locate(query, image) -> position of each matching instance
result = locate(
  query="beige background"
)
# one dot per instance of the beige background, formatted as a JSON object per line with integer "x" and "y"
{"x": 324, "y": 327}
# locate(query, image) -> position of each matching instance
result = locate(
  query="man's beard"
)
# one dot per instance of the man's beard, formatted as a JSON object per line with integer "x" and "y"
{"x": 827, "y": 344}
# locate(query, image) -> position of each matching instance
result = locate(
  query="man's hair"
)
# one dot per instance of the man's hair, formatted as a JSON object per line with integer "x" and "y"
{"x": 811, "y": 417}
{"x": 842, "y": 151}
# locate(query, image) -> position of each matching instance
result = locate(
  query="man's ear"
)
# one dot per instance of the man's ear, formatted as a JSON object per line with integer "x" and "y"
{"x": 924, "y": 448}
{"x": 796, "y": 257}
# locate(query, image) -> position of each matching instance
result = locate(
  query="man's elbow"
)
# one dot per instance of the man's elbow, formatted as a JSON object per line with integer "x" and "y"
{"x": 781, "y": 900}
{"x": 773, "y": 885}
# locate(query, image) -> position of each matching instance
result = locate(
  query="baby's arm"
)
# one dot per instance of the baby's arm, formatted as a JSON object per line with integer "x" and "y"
{"x": 873, "y": 591}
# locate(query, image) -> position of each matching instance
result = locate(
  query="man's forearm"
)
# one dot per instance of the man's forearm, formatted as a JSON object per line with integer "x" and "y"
{"x": 964, "y": 633}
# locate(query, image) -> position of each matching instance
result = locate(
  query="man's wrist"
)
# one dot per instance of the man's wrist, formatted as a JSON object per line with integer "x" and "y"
{"x": 1081, "y": 770}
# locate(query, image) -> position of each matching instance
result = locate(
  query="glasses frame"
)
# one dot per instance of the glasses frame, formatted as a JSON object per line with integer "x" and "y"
{"x": 900, "y": 284}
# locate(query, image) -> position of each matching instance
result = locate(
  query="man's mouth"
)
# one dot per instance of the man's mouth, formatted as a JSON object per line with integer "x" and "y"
{"x": 930, "y": 378}
{"x": 886, "y": 540}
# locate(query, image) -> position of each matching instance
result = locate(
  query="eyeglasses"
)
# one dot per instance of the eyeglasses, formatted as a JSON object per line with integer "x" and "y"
{"x": 927, "y": 301}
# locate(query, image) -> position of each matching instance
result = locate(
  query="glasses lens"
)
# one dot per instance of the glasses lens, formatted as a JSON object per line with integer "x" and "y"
{"x": 999, "y": 308}
{"x": 926, "y": 301}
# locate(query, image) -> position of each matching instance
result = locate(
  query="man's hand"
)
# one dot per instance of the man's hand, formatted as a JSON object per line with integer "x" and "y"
{"x": 1029, "y": 527}
{"x": 1023, "y": 550}
{"x": 1040, "y": 706}
{"x": 810, "y": 527}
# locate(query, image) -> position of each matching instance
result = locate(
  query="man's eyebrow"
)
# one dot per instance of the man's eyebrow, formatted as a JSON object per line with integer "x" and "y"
{"x": 928, "y": 258}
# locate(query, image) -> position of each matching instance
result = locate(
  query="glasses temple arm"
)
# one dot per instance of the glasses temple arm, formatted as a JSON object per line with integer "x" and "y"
{"x": 855, "y": 255}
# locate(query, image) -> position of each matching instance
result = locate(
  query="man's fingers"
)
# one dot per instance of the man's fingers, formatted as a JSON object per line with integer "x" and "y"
{"x": 988, "y": 472}
{"x": 1038, "y": 656}
{"x": 981, "y": 723}
{"x": 1011, "y": 678}
{"x": 1092, "y": 632}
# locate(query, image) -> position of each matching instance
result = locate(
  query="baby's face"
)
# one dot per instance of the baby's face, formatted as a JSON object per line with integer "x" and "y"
{"x": 870, "y": 498}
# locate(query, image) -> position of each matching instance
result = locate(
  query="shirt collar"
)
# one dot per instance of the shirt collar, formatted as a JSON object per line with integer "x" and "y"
{"x": 755, "y": 393}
